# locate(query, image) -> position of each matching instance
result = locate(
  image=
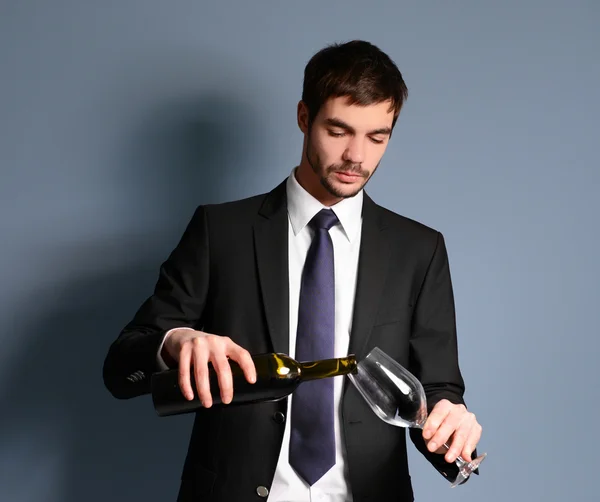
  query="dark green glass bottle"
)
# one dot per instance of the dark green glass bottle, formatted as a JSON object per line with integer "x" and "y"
{"x": 277, "y": 376}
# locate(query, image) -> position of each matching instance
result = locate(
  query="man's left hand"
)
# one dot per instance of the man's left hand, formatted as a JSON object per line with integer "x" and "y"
{"x": 448, "y": 420}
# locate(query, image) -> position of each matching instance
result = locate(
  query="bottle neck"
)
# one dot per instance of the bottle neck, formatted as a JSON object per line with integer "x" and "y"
{"x": 327, "y": 368}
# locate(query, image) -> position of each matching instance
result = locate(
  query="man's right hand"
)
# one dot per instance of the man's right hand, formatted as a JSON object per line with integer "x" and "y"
{"x": 193, "y": 350}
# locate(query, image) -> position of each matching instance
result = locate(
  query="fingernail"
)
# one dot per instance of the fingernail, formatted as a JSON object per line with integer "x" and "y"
{"x": 426, "y": 434}
{"x": 433, "y": 446}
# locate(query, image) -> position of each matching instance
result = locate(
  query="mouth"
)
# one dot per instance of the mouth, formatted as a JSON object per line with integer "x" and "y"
{"x": 348, "y": 177}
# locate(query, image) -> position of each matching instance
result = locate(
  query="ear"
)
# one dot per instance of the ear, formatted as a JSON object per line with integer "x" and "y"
{"x": 303, "y": 117}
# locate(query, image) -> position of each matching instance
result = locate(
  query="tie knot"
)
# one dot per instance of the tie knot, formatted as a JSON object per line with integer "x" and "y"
{"x": 324, "y": 219}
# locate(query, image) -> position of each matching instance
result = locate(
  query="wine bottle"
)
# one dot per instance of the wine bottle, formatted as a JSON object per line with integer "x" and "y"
{"x": 277, "y": 376}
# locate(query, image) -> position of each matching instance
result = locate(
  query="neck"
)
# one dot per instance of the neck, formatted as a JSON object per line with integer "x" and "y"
{"x": 328, "y": 368}
{"x": 308, "y": 180}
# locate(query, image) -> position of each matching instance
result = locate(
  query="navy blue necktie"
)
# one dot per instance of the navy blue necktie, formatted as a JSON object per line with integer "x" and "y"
{"x": 312, "y": 440}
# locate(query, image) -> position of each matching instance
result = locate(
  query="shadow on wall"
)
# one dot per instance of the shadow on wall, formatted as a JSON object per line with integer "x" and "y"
{"x": 68, "y": 439}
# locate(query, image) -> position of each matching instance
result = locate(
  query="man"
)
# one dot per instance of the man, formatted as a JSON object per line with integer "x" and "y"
{"x": 313, "y": 269}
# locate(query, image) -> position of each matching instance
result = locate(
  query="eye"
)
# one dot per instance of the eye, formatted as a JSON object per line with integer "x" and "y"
{"x": 336, "y": 134}
{"x": 377, "y": 141}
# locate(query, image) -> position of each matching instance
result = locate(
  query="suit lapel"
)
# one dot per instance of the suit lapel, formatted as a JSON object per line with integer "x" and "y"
{"x": 271, "y": 247}
{"x": 372, "y": 269}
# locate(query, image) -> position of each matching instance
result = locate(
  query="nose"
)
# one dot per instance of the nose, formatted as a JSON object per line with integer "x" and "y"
{"x": 355, "y": 151}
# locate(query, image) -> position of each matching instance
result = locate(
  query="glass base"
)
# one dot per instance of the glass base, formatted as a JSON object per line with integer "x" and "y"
{"x": 465, "y": 470}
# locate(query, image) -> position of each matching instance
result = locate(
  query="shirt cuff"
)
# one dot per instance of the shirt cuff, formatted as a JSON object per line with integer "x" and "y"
{"x": 160, "y": 361}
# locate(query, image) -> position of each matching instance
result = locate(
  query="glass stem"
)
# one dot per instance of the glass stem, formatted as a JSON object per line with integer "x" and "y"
{"x": 460, "y": 462}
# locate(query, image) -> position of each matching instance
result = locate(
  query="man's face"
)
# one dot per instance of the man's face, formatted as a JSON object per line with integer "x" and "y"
{"x": 345, "y": 144}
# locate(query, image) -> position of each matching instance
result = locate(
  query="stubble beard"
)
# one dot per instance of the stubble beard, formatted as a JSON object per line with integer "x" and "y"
{"x": 326, "y": 174}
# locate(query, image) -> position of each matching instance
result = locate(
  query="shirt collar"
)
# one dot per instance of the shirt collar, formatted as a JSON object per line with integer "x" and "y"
{"x": 302, "y": 207}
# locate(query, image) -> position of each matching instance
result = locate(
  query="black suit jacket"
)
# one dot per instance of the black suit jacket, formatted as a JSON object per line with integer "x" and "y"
{"x": 228, "y": 275}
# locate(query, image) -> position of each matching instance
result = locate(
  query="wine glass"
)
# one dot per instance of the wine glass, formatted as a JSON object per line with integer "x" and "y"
{"x": 398, "y": 398}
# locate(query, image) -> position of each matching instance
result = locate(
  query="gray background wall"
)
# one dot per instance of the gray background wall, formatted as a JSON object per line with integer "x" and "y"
{"x": 118, "y": 118}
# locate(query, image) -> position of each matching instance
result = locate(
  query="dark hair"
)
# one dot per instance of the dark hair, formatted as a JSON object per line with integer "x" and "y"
{"x": 356, "y": 69}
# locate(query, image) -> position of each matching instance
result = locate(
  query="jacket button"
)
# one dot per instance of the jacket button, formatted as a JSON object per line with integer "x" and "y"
{"x": 262, "y": 491}
{"x": 278, "y": 417}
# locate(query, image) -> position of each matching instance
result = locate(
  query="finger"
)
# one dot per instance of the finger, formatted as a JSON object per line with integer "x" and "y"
{"x": 201, "y": 375}
{"x": 471, "y": 442}
{"x": 185, "y": 385}
{"x": 245, "y": 361}
{"x": 447, "y": 427}
{"x": 436, "y": 417}
{"x": 459, "y": 439}
{"x": 223, "y": 370}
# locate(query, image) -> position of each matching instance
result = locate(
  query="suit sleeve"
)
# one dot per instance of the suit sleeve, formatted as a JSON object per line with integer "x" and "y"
{"x": 433, "y": 347}
{"x": 177, "y": 301}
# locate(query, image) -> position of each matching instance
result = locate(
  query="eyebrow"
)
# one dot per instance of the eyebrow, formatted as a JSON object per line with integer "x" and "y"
{"x": 342, "y": 125}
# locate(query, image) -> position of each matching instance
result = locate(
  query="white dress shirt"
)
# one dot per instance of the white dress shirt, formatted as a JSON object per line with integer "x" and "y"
{"x": 287, "y": 486}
